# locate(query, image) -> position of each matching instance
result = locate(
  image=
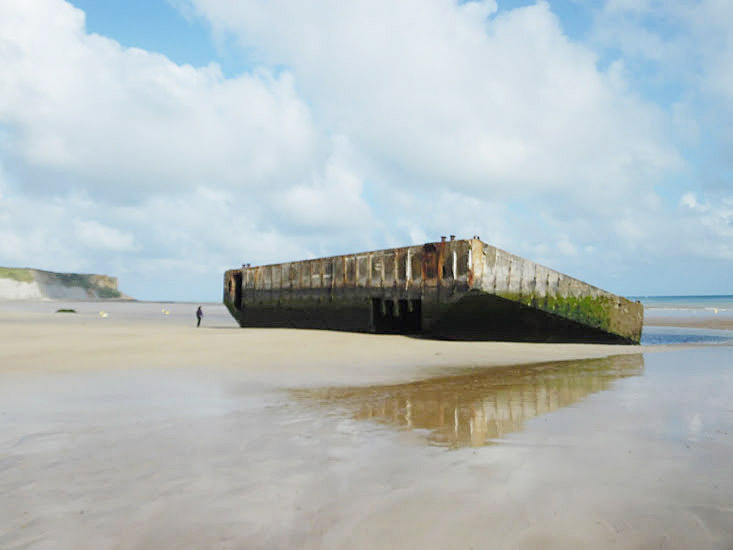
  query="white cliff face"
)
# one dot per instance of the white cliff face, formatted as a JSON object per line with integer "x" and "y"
{"x": 33, "y": 284}
{"x": 61, "y": 292}
{"x": 11, "y": 289}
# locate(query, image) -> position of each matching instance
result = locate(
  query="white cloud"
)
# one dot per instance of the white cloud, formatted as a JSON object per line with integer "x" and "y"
{"x": 85, "y": 112}
{"x": 566, "y": 247}
{"x": 99, "y": 236}
{"x": 502, "y": 107}
{"x": 363, "y": 125}
{"x": 707, "y": 226}
{"x": 689, "y": 42}
{"x": 687, "y": 48}
{"x": 689, "y": 200}
{"x": 329, "y": 201}
{"x": 117, "y": 159}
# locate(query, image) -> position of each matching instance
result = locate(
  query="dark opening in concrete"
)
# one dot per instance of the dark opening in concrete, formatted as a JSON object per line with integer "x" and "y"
{"x": 238, "y": 289}
{"x": 401, "y": 316}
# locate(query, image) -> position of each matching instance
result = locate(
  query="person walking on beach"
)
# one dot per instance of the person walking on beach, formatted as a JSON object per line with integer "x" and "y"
{"x": 199, "y": 315}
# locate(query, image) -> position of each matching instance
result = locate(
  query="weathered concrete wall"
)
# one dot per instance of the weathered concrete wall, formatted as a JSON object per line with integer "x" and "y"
{"x": 340, "y": 292}
{"x": 36, "y": 284}
{"x": 455, "y": 289}
{"x": 536, "y": 286}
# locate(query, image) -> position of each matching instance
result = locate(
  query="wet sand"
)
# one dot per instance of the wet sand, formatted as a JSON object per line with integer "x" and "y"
{"x": 715, "y": 322}
{"x": 137, "y": 430}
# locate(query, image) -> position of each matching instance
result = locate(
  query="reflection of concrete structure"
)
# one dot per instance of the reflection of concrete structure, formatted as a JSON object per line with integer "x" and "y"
{"x": 473, "y": 409}
{"x": 462, "y": 289}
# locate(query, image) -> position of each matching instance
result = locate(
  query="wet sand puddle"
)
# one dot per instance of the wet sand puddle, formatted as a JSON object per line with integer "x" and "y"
{"x": 623, "y": 452}
{"x": 479, "y": 406}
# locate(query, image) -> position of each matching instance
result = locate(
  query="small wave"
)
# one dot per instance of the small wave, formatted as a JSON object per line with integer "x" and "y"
{"x": 689, "y": 310}
{"x": 681, "y": 335}
{"x": 678, "y": 308}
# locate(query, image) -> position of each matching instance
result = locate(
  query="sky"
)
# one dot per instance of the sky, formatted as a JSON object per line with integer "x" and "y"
{"x": 165, "y": 141}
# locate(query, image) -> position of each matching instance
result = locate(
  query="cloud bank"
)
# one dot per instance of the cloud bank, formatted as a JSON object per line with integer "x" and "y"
{"x": 358, "y": 127}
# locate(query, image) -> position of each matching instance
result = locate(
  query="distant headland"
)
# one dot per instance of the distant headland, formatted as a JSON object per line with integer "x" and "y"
{"x": 36, "y": 284}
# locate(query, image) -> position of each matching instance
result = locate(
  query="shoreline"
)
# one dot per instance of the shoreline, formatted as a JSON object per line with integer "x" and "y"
{"x": 57, "y": 342}
{"x": 717, "y": 323}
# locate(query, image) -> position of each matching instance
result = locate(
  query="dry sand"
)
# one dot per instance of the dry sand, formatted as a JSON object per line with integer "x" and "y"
{"x": 137, "y": 430}
{"x": 285, "y": 357}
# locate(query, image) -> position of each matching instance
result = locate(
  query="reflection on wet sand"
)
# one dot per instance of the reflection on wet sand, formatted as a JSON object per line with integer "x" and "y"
{"x": 482, "y": 405}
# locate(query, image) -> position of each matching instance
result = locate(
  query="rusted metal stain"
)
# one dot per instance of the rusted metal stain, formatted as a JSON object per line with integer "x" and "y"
{"x": 429, "y": 264}
{"x": 432, "y": 264}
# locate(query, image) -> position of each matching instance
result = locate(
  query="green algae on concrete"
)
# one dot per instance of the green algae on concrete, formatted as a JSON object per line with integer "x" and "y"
{"x": 591, "y": 310}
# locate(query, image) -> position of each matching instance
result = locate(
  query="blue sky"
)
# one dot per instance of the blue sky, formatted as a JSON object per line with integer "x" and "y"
{"x": 166, "y": 141}
{"x": 161, "y": 26}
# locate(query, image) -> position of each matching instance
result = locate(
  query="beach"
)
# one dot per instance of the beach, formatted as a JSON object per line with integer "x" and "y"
{"x": 125, "y": 426}
{"x": 366, "y": 275}
{"x": 703, "y": 312}
{"x": 144, "y": 336}
{"x": 723, "y": 323}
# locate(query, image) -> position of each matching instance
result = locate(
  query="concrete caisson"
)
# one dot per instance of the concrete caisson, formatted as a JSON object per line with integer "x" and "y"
{"x": 457, "y": 289}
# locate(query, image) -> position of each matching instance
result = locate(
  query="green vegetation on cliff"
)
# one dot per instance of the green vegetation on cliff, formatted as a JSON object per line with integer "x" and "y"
{"x": 73, "y": 279}
{"x": 107, "y": 293}
{"x": 51, "y": 284}
{"x": 21, "y": 275}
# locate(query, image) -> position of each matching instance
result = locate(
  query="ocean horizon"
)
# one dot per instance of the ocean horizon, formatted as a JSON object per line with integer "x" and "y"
{"x": 721, "y": 302}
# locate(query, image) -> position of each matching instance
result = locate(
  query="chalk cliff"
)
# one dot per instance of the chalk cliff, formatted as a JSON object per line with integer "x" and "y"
{"x": 35, "y": 284}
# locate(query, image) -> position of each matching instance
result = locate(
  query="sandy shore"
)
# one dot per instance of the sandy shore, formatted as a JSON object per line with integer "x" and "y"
{"x": 717, "y": 322}
{"x": 125, "y": 427}
{"x": 61, "y": 342}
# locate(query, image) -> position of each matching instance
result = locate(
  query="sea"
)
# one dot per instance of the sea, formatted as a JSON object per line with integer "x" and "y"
{"x": 661, "y": 313}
